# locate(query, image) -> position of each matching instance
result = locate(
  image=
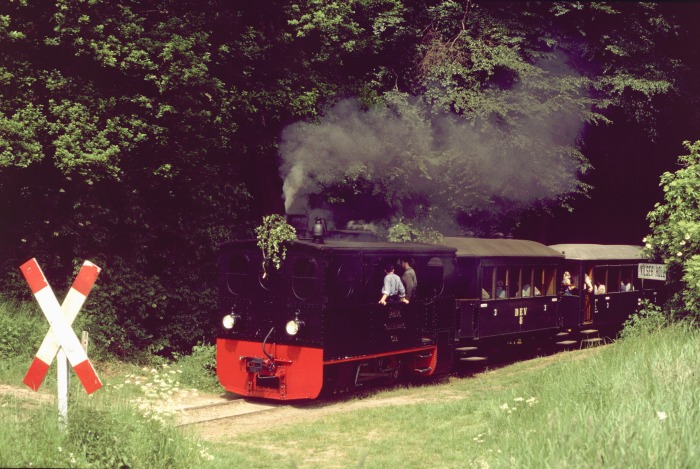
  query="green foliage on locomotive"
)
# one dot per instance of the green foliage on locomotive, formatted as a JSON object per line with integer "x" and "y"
{"x": 272, "y": 234}
{"x": 405, "y": 232}
{"x": 675, "y": 231}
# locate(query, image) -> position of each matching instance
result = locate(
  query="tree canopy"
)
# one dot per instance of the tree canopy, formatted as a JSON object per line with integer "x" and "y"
{"x": 139, "y": 134}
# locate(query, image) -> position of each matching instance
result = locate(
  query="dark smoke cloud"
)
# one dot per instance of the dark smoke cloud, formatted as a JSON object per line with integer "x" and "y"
{"x": 531, "y": 159}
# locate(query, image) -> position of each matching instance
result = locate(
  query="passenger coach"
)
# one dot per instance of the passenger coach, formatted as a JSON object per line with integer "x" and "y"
{"x": 506, "y": 288}
{"x": 605, "y": 286}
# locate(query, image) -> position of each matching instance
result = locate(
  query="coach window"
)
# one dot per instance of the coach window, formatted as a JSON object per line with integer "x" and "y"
{"x": 431, "y": 282}
{"x": 514, "y": 282}
{"x": 527, "y": 287}
{"x": 548, "y": 284}
{"x": 488, "y": 283}
{"x": 304, "y": 277}
{"x": 237, "y": 273}
{"x": 614, "y": 279}
{"x": 628, "y": 279}
{"x": 501, "y": 283}
{"x": 600, "y": 280}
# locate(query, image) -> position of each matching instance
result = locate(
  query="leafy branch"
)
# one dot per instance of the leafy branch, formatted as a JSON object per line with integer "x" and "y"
{"x": 272, "y": 235}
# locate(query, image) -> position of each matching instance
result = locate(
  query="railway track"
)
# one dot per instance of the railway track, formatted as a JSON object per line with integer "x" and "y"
{"x": 220, "y": 409}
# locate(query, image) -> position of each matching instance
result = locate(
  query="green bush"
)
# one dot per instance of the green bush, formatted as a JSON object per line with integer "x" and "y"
{"x": 199, "y": 369}
{"x": 651, "y": 318}
{"x": 23, "y": 328}
{"x": 675, "y": 232}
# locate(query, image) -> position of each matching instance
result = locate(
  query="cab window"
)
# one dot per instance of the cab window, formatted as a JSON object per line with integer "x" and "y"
{"x": 304, "y": 277}
{"x": 237, "y": 273}
{"x": 432, "y": 280}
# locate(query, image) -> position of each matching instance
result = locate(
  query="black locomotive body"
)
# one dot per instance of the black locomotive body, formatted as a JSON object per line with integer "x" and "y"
{"x": 316, "y": 323}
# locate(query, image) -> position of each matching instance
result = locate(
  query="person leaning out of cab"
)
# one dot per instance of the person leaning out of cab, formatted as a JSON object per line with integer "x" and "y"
{"x": 393, "y": 290}
{"x": 410, "y": 281}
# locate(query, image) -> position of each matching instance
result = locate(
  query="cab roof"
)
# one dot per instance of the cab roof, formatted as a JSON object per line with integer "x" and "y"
{"x": 591, "y": 252}
{"x": 332, "y": 244}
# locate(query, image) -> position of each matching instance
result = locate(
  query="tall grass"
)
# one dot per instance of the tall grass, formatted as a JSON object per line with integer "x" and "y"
{"x": 635, "y": 404}
{"x": 118, "y": 426}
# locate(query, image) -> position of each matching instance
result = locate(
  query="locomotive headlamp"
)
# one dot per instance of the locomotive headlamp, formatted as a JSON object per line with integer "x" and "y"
{"x": 292, "y": 327}
{"x": 230, "y": 320}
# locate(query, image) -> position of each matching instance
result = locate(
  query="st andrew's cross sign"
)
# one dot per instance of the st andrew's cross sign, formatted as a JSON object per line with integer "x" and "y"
{"x": 60, "y": 317}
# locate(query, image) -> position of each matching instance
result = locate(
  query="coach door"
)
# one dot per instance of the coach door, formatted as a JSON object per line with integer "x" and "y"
{"x": 570, "y": 295}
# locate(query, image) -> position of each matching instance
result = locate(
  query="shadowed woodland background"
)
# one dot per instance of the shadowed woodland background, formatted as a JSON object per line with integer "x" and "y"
{"x": 141, "y": 134}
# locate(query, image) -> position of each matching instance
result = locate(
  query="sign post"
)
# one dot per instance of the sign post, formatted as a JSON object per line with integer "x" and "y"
{"x": 61, "y": 339}
{"x": 652, "y": 271}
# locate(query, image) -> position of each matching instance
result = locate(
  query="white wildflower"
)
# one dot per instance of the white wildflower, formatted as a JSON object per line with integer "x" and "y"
{"x": 644, "y": 240}
{"x": 519, "y": 399}
{"x": 679, "y": 254}
{"x": 648, "y": 246}
{"x": 504, "y": 406}
{"x": 687, "y": 236}
{"x": 682, "y": 242}
{"x": 661, "y": 415}
{"x": 531, "y": 401}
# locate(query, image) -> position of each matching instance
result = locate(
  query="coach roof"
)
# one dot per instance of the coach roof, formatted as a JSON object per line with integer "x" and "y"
{"x": 590, "y": 252}
{"x": 480, "y": 247}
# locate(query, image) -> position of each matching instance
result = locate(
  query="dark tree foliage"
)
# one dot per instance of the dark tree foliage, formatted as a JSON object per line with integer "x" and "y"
{"x": 140, "y": 134}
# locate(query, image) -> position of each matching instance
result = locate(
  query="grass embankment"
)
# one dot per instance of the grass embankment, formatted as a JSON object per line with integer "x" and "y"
{"x": 633, "y": 404}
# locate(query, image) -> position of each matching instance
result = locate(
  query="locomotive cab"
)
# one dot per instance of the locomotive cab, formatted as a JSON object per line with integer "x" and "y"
{"x": 315, "y": 322}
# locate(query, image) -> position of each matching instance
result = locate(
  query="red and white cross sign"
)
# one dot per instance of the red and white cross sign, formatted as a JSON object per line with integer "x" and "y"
{"x": 60, "y": 317}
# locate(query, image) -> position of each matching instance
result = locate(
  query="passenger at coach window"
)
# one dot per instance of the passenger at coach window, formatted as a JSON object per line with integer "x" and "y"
{"x": 599, "y": 288}
{"x": 500, "y": 290}
{"x": 566, "y": 286}
{"x": 410, "y": 281}
{"x": 625, "y": 285}
{"x": 393, "y": 290}
{"x": 587, "y": 284}
{"x": 527, "y": 290}
{"x": 485, "y": 295}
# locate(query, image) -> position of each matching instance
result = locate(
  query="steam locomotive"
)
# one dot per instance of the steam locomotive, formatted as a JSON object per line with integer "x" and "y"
{"x": 315, "y": 324}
